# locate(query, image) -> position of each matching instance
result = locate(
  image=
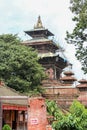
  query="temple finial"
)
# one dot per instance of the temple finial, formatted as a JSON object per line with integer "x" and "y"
{"x": 39, "y": 23}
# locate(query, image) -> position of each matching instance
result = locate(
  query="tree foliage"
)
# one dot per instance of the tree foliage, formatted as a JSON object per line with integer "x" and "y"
{"x": 78, "y": 37}
{"x": 80, "y": 112}
{"x": 53, "y": 110}
{"x": 74, "y": 119}
{"x": 6, "y": 127}
{"x": 19, "y": 66}
{"x": 68, "y": 122}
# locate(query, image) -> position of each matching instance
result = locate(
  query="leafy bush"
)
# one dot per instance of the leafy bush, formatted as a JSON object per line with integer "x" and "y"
{"x": 74, "y": 119}
{"x": 6, "y": 127}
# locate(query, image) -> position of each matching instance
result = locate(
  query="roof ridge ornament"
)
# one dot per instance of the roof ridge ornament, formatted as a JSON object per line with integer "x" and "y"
{"x": 39, "y": 23}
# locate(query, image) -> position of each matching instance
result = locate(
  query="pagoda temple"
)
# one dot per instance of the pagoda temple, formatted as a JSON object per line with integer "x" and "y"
{"x": 51, "y": 54}
{"x": 51, "y": 57}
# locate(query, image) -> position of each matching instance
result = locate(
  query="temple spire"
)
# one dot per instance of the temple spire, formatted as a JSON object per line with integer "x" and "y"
{"x": 39, "y": 23}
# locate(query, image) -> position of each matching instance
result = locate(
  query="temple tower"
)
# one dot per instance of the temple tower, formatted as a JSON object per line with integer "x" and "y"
{"x": 51, "y": 55}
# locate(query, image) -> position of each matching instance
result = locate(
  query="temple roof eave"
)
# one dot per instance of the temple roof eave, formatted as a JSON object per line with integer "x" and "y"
{"x": 49, "y": 55}
{"x": 83, "y": 81}
{"x": 39, "y": 30}
{"x": 82, "y": 86}
{"x": 34, "y": 42}
{"x": 68, "y": 73}
{"x": 68, "y": 78}
{"x": 38, "y": 40}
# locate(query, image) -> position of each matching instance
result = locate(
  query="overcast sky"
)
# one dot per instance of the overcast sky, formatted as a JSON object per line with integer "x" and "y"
{"x": 19, "y": 15}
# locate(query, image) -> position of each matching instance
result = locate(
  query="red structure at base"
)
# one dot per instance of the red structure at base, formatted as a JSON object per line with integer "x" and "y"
{"x": 21, "y": 112}
{"x": 37, "y": 116}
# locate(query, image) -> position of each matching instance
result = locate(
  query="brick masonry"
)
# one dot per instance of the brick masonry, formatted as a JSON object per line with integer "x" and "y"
{"x": 37, "y": 117}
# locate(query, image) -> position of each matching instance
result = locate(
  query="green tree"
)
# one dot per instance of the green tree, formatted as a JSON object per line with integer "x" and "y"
{"x": 68, "y": 122}
{"x": 10, "y": 38}
{"x": 80, "y": 112}
{"x": 53, "y": 109}
{"x": 78, "y": 37}
{"x": 6, "y": 127}
{"x": 74, "y": 119}
{"x": 19, "y": 66}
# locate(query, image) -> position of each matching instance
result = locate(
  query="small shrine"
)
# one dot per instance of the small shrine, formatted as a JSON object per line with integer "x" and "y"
{"x": 68, "y": 79}
{"x": 82, "y": 86}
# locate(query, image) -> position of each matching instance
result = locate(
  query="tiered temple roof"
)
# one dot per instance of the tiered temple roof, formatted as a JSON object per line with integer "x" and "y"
{"x": 68, "y": 78}
{"x": 51, "y": 55}
{"x": 83, "y": 83}
{"x": 54, "y": 61}
{"x": 39, "y": 30}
